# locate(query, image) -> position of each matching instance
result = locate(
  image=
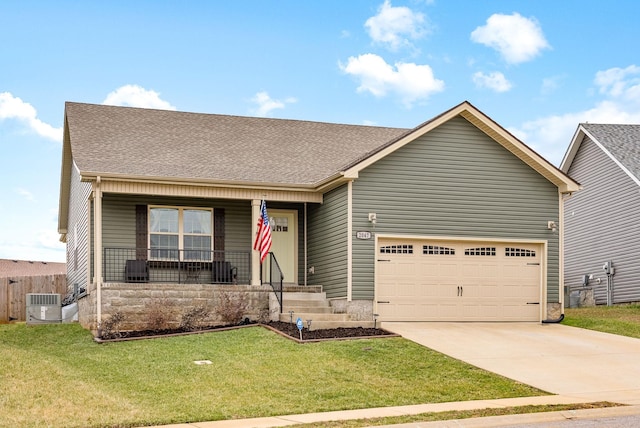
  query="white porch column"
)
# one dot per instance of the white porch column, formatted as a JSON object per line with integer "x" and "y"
{"x": 97, "y": 248}
{"x": 255, "y": 255}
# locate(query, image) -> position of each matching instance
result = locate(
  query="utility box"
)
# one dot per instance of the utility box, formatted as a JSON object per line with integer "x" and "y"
{"x": 43, "y": 308}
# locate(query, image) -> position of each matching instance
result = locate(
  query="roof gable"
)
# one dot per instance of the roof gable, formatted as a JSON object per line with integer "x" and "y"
{"x": 621, "y": 143}
{"x": 486, "y": 125}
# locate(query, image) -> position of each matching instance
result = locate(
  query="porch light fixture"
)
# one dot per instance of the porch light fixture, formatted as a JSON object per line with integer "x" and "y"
{"x": 373, "y": 218}
{"x": 552, "y": 226}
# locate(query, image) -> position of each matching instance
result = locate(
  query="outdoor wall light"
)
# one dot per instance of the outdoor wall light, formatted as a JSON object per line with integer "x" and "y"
{"x": 552, "y": 226}
{"x": 373, "y": 218}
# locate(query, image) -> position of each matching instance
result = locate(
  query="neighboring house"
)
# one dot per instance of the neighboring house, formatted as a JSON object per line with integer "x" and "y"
{"x": 12, "y": 268}
{"x": 446, "y": 221}
{"x": 602, "y": 222}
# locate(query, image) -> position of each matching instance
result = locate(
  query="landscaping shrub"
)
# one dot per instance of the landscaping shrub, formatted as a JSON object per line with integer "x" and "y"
{"x": 110, "y": 328}
{"x": 231, "y": 306}
{"x": 160, "y": 312}
{"x": 194, "y": 318}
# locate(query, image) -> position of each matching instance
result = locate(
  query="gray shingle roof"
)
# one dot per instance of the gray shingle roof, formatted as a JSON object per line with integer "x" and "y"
{"x": 622, "y": 141}
{"x": 139, "y": 142}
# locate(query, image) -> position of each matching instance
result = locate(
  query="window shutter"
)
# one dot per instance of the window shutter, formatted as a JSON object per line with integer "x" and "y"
{"x": 218, "y": 233}
{"x": 141, "y": 232}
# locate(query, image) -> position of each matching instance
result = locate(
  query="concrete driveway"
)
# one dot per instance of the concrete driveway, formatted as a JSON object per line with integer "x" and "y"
{"x": 552, "y": 357}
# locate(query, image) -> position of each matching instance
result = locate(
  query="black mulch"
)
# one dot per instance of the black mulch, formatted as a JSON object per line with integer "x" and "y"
{"x": 285, "y": 328}
{"x": 329, "y": 333}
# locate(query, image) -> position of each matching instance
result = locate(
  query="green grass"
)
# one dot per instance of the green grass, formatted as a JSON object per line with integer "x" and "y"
{"x": 454, "y": 414}
{"x": 621, "y": 319}
{"x": 57, "y": 376}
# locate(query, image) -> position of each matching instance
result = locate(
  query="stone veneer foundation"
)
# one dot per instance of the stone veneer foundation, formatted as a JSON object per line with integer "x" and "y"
{"x": 137, "y": 300}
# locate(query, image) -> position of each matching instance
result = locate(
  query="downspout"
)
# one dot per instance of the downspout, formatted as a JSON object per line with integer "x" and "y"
{"x": 97, "y": 249}
{"x": 561, "y": 198}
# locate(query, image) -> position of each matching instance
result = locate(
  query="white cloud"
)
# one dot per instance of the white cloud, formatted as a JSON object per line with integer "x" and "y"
{"x": 494, "y": 81}
{"x": 396, "y": 26}
{"x": 137, "y": 96}
{"x": 266, "y": 104}
{"x": 551, "y": 135}
{"x": 516, "y": 38}
{"x": 27, "y": 195}
{"x": 617, "y": 82}
{"x": 411, "y": 82}
{"x": 14, "y": 108}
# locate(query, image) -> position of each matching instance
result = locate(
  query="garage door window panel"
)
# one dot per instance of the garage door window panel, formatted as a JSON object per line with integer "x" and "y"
{"x": 437, "y": 250}
{"x": 480, "y": 251}
{"x": 518, "y": 252}
{"x": 397, "y": 249}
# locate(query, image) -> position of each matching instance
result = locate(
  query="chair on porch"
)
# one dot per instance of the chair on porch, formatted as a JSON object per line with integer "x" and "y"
{"x": 223, "y": 273}
{"x": 136, "y": 271}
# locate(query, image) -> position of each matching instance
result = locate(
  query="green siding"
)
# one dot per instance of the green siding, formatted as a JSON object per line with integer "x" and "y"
{"x": 119, "y": 219}
{"x": 327, "y": 232}
{"x": 453, "y": 181}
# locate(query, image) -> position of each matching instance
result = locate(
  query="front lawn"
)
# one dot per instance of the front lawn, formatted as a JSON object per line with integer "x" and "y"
{"x": 57, "y": 376}
{"x": 620, "y": 319}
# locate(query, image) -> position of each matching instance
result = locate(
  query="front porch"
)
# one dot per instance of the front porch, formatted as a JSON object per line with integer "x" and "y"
{"x": 152, "y": 265}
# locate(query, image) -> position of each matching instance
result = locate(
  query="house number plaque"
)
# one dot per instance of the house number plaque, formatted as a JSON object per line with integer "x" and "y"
{"x": 363, "y": 235}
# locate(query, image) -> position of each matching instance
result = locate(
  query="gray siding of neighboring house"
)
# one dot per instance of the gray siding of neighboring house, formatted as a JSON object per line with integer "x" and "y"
{"x": 454, "y": 181}
{"x": 327, "y": 250}
{"x": 78, "y": 232}
{"x": 601, "y": 224}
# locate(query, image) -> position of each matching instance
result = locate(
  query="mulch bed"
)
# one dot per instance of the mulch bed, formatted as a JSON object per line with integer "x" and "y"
{"x": 283, "y": 328}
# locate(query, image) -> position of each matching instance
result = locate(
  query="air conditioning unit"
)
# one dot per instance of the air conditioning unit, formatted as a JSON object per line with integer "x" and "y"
{"x": 43, "y": 308}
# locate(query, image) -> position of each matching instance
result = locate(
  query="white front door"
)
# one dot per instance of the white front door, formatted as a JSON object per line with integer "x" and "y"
{"x": 284, "y": 245}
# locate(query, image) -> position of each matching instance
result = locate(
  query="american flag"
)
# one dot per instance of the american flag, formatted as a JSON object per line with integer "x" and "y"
{"x": 263, "y": 237}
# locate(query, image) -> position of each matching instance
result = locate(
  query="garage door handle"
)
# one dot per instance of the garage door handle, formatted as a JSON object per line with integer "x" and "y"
{"x": 384, "y": 260}
{"x": 383, "y": 301}
{"x": 533, "y": 264}
{"x": 533, "y": 303}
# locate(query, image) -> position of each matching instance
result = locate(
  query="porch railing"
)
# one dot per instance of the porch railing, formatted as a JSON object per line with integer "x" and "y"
{"x": 276, "y": 278}
{"x": 179, "y": 266}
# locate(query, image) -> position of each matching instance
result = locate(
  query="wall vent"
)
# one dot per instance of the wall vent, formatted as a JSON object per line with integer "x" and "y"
{"x": 43, "y": 308}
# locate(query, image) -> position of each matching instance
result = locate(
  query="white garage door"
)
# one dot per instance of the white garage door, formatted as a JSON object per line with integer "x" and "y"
{"x": 422, "y": 280}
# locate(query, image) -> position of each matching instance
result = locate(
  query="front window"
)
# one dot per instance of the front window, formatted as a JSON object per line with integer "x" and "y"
{"x": 180, "y": 233}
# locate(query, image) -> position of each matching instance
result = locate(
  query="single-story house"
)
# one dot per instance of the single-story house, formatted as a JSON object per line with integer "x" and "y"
{"x": 453, "y": 220}
{"x": 602, "y": 225}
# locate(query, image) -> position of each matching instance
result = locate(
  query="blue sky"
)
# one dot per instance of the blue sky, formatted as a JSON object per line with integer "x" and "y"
{"x": 538, "y": 68}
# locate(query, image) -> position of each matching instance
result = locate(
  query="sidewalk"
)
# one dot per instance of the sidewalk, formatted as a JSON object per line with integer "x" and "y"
{"x": 281, "y": 421}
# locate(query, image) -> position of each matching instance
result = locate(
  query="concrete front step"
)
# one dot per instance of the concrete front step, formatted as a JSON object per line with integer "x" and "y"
{"x": 300, "y": 295}
{"x": 307, "y": 309}
{"x": 318, "y": 325}
{"x": 315, "y": 307}
{"x": 285, "y": 317}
